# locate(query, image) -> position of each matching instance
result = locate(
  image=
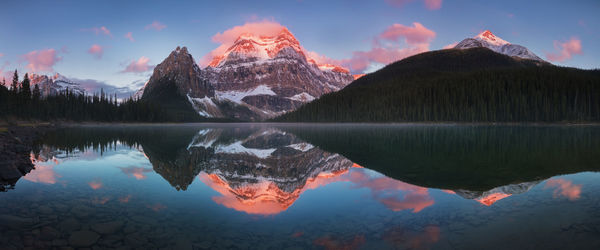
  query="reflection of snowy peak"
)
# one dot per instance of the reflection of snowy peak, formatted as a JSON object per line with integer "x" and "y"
{"x": 52, "y": 85}
{"x": 488, "y": 40}
{"x": 491, "y": 196}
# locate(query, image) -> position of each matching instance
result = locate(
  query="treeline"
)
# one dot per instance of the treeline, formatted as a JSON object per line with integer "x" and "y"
{"x": 21, "y": 101}
{"x": 461, "y": 86}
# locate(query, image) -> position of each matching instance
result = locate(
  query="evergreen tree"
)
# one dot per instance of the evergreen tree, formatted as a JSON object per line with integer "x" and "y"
{"x": 36, "y": 95}
{"x": 15, "y": 83}
{"x": 26, "y": 88}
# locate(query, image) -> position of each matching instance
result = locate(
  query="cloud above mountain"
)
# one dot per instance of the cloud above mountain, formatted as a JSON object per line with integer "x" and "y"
{"x": 565, "y": 50}
{"x": 96, "y": 50}
{"x": 156, "y": 25}
{"x": 394, "y": 43}
{"x": 41, "y": 60}
{"x": 98, "y": 31}
{"x": 138, "y": 66}
{"x": 429, "y": 4}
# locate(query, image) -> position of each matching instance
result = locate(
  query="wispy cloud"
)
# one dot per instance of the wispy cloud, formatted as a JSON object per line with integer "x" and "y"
{"x": 96, "y": 50}
{"x": 565, "y": 50}
{"x": 129, "y": 36}
{"x": 387, "y": 46}
{"x": 42, "y": 60}
{"x": 98, "y": 31}
{"x": 429, "y": 4}
{"x": 156, "y": 25}
{"x": 138, "y": 66}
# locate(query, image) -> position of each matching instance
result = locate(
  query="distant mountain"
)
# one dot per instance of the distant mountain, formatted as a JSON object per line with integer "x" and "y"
{"x": 258, "y": 77}
{"x": 466, "y": 85}
{"x": 55, "y": 84}
{"x": 488, "y": 40}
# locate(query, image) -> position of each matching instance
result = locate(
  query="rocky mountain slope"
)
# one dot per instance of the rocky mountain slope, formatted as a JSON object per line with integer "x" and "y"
{"x": 258, "y": 77}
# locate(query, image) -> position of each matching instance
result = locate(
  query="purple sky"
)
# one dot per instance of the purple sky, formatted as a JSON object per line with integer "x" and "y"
{"x": 115, "y": 45}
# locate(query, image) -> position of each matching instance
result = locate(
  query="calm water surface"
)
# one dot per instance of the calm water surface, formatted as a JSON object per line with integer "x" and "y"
{"x": 264, "y": 186}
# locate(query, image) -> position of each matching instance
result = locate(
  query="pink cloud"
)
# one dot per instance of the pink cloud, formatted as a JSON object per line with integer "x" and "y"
{"x": 429, "y": 4}
{"x": 156, "y": 25}
{"x": 1, "y": 55}
{"x": 95, "y": 184}
{"x": 42, "y": 60}
{"x": 564, "y": 188}
{"x": 141, "y": 65}
{"x": 393, "y": 194}
{"x": 565, "y": 50}
{"x": 386, "y": 48}
{"x": 129, "y": 36}
{"x": 102, "y": 30}
{"x": 96, "y": 50}
{"x": 412, "y": 35}
{"x": 433, "y": 4}
{"x": 228, "y": 37}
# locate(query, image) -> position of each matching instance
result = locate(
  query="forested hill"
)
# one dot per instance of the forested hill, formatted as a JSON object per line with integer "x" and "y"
{"x": 471, "y": 85}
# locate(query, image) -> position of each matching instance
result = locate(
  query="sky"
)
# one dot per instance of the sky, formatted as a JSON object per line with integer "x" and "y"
{"x": 115, "y": 44}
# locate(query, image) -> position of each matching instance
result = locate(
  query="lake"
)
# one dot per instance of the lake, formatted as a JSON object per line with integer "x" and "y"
{"x": 299, "y": 186}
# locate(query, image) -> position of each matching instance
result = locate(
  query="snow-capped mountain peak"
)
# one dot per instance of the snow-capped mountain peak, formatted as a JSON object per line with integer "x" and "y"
{"x": 249, "y": 45}
{"x": 489, "y": 37}
{"x": 488, "y": 40}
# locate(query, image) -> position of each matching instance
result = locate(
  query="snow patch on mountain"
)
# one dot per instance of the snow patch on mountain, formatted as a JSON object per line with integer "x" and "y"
{"x": 302, "y": 97}
{"x": 238, "y": 148}
{"x": 237, "y": 96}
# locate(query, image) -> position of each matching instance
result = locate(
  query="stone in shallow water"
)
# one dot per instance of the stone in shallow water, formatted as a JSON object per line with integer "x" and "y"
{"x": 45, "y": 209}
{"x": 83, "y": 238}
{"x": 110, "y": 227}
{"x": 69, "y": 225}
{"x": 135, "y": 240}
{"x": 16, "y": 222}
{"x": 144, "y": 219}
{"x": 81, "y": 211}
{"x": 49, "y": 233}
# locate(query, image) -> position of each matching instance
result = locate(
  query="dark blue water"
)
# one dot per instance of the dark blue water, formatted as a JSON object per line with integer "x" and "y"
{"x": 262, "y": 186}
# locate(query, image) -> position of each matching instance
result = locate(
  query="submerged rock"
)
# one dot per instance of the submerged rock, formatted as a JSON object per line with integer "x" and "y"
{"x": 83, "y": 238}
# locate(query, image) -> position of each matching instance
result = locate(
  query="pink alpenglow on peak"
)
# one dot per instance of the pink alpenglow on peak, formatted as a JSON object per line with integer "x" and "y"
{"x": 489, "y": 37}
{"x": 264, "y": 47}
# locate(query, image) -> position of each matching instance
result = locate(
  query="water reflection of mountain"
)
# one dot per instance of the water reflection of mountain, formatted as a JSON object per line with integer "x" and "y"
{"x": 262, "y": 169}
{"x": 478, "y": 158}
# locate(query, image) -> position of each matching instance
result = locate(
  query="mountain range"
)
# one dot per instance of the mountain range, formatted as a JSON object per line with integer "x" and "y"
{"x": 57, "y": 83}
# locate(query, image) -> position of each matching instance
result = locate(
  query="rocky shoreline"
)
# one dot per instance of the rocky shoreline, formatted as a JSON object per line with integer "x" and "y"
{"x": 16, "y": 144}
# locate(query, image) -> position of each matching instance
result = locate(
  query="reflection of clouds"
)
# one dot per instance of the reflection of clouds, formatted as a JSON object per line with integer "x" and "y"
{"x": 564, "y": 188}
{"x": 95, "y": 184}
{"x": 402, "y": 238}
{"x": 136, "y": 172}
{"x": 265, "y": 197}
{"x": 331, "y": 243}
{"x": 157, "y": 207}
{"x": 125, "y": 199}
{"x": 101, "y": 201}
{"x": 43, "y": 171}
{"x": 385, "y": 190}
